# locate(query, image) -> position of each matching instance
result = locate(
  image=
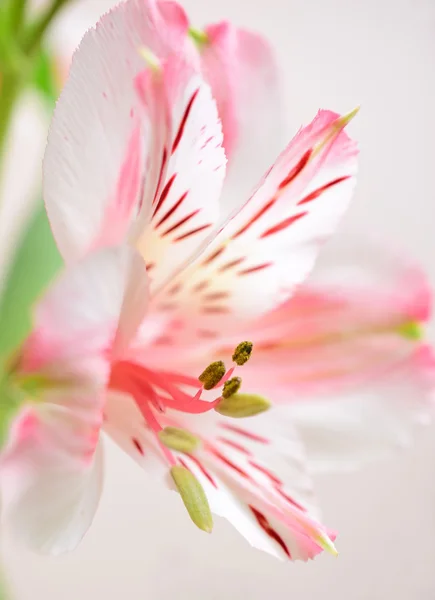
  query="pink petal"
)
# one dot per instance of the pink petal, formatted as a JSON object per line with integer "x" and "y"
{"x": 50, "y": 490}
{"x": 346, "y": 431}
{"x": 246, "y": 470}
{"x": 92, "y": 304}
{"x": 183, "y": 206}
{"x": 260, "y": 463}
{"x": 241, "y": 69}
{"x": 342, "y": 329}
{"x": 95, "y": 159}
{"x": 270, "y": 245}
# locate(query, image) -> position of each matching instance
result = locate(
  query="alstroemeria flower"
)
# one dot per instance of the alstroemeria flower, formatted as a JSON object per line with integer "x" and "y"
{"x": 51, "y": 463}
{"x": 135, "y": 153}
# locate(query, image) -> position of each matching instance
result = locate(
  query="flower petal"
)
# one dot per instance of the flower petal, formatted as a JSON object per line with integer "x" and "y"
{"x": 95, "y": 157}
{"x": 48, "y": 497}
{"x": 240, "y": 67}
{"x": 258, "y": 483}
{"x": 183, "y": 209}
{"x": 152, "y": 138}
{"x": 92, "y": 305}
{"x": 370, "y": 423}
{"x": 356, "y": 319}
{"x": 262, "y": 464}
{"x": 270, "y": 245}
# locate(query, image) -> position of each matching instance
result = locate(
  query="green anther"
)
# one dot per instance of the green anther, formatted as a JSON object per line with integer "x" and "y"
{"x": 150, "y": 58}
{"x": 242, "y": 353}
{"x": 199, "y": 37}
{"x": 239, "y": 406}
{"x": 231, "y": 387}
{"x": 411, "y": 330}
{"x": 178, "y": 439}
{"x": 212, "y": 374}
{"x": 194, "y": 498}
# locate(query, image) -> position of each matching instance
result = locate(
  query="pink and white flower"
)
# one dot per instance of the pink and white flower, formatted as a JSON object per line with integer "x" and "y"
{"x": 135, "y": 153}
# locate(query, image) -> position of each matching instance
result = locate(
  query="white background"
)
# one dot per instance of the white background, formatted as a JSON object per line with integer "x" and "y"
{"x": 334, "y": 54}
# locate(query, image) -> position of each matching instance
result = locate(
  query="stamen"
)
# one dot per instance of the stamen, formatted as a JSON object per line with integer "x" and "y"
{"x": 179, "y": 439}
{"x": 194, "y": 497}
{"x": 227, "y": 376}
{"x": 240, "y": 406}
{"x": 194, "y": 407}
{"x": 231, "y": 387}
{"x": 242, "y": 353}
{"x": 212, "y": 374}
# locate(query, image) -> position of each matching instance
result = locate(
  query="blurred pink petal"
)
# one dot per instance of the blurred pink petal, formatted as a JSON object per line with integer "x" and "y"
{"x": 50, "y": 467}
{"x": 368, "y": 422}
{"x": 354, "y": 321}
{"x": 241, "y": 69}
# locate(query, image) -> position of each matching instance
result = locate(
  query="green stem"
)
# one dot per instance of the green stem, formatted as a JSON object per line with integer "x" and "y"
{"x": 16, "y": 14}
{"x": 9, "y": 92}
{"x": 35, "y": 32}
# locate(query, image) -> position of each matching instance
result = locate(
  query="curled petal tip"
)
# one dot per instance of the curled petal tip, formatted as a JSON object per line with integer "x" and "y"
{"x": 327, "y": 544}
{"x": 334, "y": 130}
{"x": 345, "y": 119}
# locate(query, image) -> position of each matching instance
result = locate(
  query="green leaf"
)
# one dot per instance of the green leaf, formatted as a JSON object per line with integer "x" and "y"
{"x": 35, "y": 263}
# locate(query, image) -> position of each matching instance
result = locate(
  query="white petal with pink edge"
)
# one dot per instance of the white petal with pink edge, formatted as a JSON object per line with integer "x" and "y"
{"x": 135, "y": 149}
{"x": 50, "y": 468}
{"x": 270, "y": 245}
{"x": 241, "y": 69}
{"x": 96, "y": 122}
{"x": 253, "y": 473}
{"x": 48, "y": 498}
{"x": 183, "y": 208}
{"x": 92, "y": 304}
{"x": 357, "y": 319}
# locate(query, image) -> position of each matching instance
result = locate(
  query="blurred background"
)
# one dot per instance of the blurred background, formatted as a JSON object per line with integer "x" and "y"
{"x": 334, "y": 54}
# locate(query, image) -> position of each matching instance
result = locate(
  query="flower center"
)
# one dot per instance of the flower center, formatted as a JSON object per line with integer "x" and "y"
{"x": 155, "y": 391}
